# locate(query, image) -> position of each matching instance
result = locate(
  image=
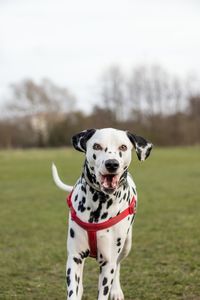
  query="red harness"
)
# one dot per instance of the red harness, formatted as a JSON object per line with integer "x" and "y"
{"x": 93, "y": 228}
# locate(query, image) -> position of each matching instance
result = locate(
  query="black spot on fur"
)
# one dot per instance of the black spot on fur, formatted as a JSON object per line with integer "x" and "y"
{"x": 120, "y": 154}
{"x": 112, "y": 271}
{"x": 124, "y": 197}
{"x": 133, "y": 219}
{"x": 81, "y": 206}
{"x": 76, "y": 198}
{"x": 109, "y": 203}
{"x": 77, "y": 260}
{"x": 103, "y": 197}
{"x": 119, "y": 242}
{"x": 103, "y": 264}
{"x": 105, "y": 280}
{"x": 91, "y": 177}
{"x": 95, "y": 215}
{"x": 134, "y": 191}
{"x": 123, "y": 178}
{"x": 69, "y": 271}
{"x": 72, "y": 233}
{"x": 105, "y": 291}
{"x": 70, "y": 293}
{"x": 95, "y": 197}
{"x": 84, "y": 254}
{"x": 104, "y": 215}
{"x": 106, "y": 149}
{"x": 68, "y": 280}
{"x": 92, "y": 190}
{"x": 83, "y": 188}
{"x": 94, "y": 156}
{"x": 128, "y": 197}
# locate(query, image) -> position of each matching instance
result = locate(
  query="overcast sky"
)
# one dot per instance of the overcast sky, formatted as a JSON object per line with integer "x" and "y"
{"x": 74, "y": 42}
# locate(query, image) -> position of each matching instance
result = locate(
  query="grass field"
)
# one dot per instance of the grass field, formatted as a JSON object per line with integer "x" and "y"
{"x": 165, "y": 259}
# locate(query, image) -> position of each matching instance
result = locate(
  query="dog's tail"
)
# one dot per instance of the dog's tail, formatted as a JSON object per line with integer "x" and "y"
{"x": 58, "y": 182}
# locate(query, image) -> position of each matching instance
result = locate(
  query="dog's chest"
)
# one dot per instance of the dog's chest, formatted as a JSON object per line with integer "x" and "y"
{"x": 93, "y": 206}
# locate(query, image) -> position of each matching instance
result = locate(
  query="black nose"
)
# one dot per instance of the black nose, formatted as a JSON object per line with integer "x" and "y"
{"x": 112, "y": 165}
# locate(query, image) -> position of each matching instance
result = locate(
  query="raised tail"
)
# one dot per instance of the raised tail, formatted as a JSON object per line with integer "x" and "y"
{"x": 58, "y": 182}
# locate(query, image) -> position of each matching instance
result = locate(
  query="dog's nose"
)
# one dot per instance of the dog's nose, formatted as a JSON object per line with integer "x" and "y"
{"x": 111, "y": 165}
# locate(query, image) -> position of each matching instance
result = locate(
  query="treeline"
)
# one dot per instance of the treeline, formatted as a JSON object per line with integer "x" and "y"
{"x": 148, "y": 101}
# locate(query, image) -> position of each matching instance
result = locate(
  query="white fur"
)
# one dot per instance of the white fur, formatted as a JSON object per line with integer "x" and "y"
{"x": 58, "y": 182}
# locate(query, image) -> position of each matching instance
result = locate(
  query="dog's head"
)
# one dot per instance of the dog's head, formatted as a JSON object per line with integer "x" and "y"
{"x": 108, "y": 153}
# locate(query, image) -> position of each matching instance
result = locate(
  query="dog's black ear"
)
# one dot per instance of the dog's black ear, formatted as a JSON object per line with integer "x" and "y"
{"x": 80, "y": 139}
{"x": 142, "y": 146}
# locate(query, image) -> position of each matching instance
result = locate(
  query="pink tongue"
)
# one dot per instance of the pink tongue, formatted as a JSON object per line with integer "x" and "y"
{"x": 109, "y": 182}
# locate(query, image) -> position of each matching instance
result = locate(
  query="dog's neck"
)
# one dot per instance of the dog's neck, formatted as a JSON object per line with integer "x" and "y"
{"x": 96, "y": 205}
{"x": 90, "y": 178}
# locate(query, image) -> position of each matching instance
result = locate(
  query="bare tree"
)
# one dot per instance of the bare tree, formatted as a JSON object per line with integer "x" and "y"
{"x": 135, "y": 92}
{"x": 112, "y": 92}
{"x": 36, "y": 106}
{"x": 30, "y": 98}
{"x": 153, "y": 91}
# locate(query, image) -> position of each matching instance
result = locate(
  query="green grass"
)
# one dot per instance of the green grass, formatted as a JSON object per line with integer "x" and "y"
{"x": 165, "y": 259}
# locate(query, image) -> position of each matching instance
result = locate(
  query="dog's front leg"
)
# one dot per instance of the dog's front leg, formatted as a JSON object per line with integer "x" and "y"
{"x": 106, "y": 277}
{"x": 74, "y": 271}
{"x": 116, "y": 291}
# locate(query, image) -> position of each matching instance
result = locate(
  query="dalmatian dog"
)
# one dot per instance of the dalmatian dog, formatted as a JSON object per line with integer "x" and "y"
{"x": 102, "y": 195}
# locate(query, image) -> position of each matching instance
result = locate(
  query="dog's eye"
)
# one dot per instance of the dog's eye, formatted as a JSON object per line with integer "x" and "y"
{"x": 97, "y": 147}
{"x": 123, "y": 148}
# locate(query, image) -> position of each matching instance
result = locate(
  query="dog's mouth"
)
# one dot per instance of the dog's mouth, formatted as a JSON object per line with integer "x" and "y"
{"x": 109, "y": 182}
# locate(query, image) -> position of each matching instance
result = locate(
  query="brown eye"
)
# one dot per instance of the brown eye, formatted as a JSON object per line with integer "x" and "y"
{"x": 97, "y": 147}
{"x": 123, "y": 148}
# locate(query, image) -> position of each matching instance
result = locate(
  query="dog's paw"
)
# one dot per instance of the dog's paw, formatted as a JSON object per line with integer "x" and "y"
{"x": 116, "y": 295}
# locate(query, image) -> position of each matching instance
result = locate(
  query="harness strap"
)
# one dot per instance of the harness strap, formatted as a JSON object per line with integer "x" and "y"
{"x": 92, "y": 239}
{"x": 92, "y": 228}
